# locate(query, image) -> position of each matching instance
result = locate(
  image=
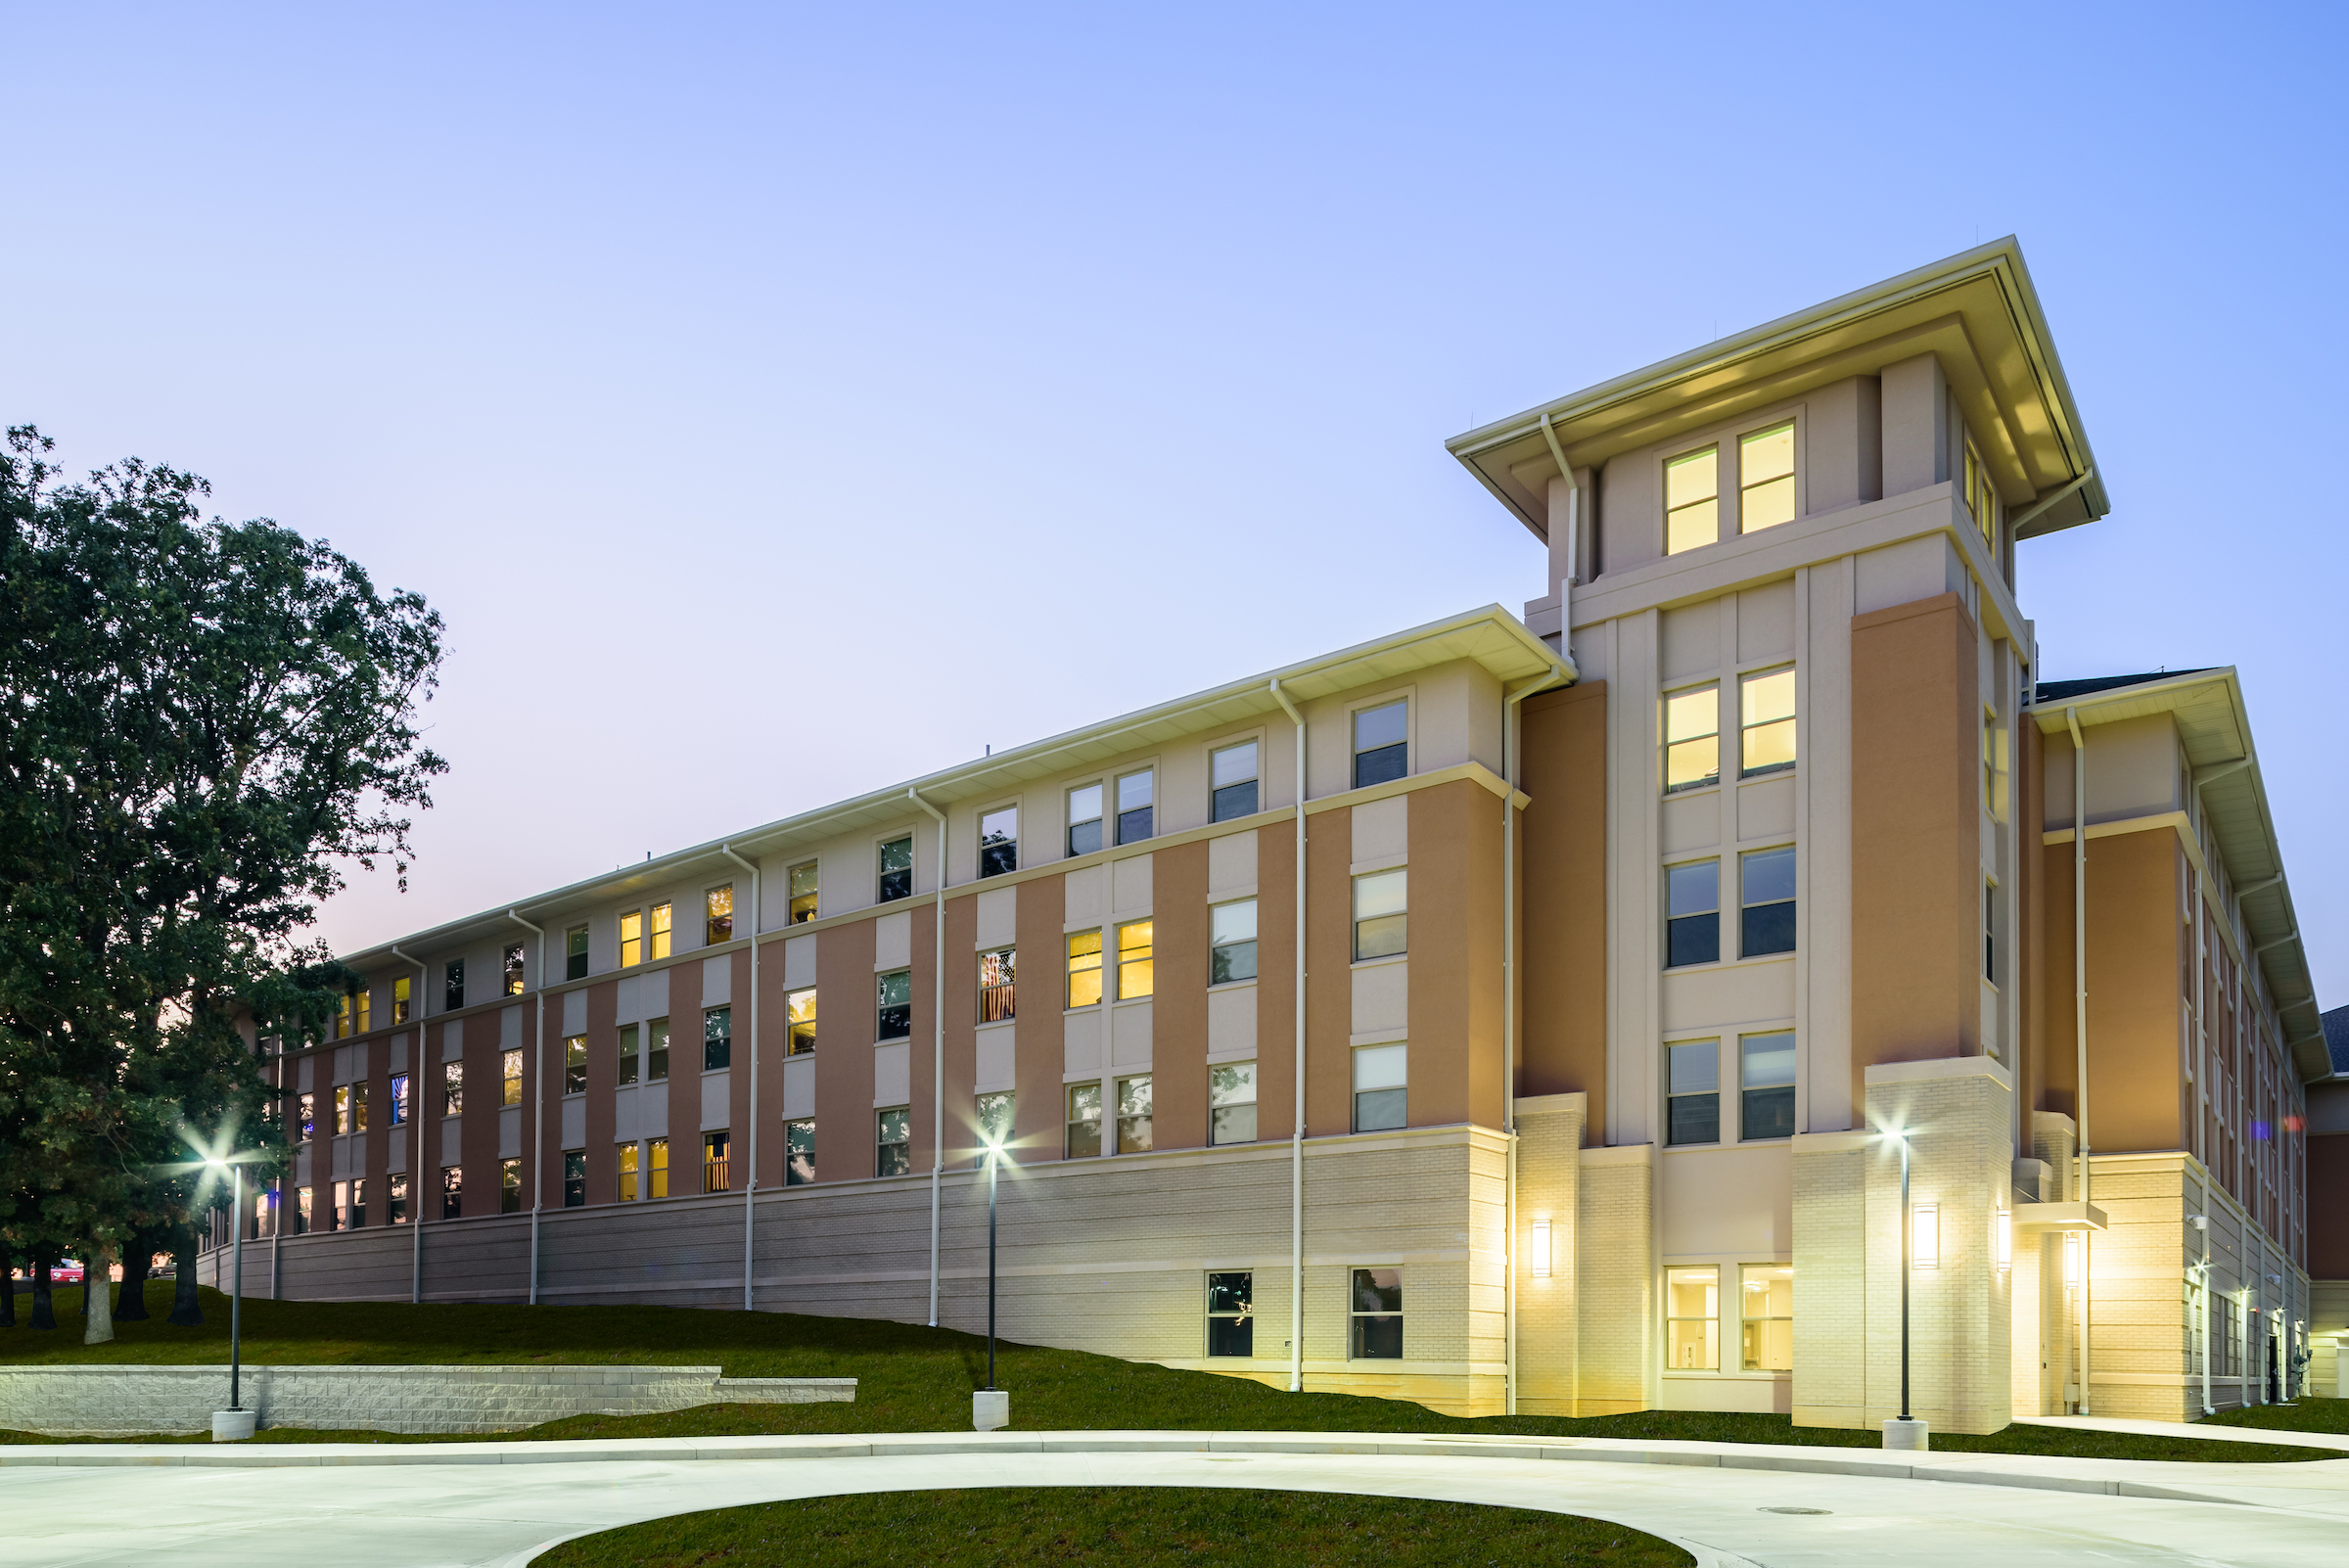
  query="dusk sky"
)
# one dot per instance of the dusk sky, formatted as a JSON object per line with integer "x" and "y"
{"x": 784, "y": 402}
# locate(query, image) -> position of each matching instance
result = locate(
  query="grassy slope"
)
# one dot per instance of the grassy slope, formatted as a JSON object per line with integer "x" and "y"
{"x": 909, "y": 1379}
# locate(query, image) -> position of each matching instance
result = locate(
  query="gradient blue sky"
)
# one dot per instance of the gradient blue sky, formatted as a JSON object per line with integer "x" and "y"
{"x": 740, "y": 381}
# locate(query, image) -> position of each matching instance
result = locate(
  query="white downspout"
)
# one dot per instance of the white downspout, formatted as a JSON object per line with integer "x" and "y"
{"x": 416, "y": 1087}
{"x": 1297, "y": 1139}
{"x": 2071, "y": 718}
{"x": 537, "y": 1104}
{"x": 1573, "y": 558}
{"x": 938, "y": 1065}
{"x": 750, "y": 1186}
{"x": 2202, "y": 1223}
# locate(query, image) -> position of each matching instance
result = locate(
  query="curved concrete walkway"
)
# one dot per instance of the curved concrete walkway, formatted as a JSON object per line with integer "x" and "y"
{"x": 75, "y": 1506}
{"x": 2338, "y": 1441}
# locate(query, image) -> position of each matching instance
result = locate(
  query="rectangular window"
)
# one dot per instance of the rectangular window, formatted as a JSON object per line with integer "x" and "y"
{"x": 1000, "y": 841}
{"x": 1083, "y": 1140}
{"x": 717, "y": 1039}
{"x": 1133, "y": 1115}
{"x": 509, "y": 1187}
{"x": 1381, "y": 918}
{"x": 1990, "y": 932}
{"x": 1693, "y": 501}
{"x": 664, "y": 917}
{"x": 301, "y": 1211}
{"x": 1766, "y": 479}
{"x": 1084, "y": 819}
{"x": 354, "y": 1215}
{"x": 511, "y": 1075}
{"x": 1381, "y": 748}
{"x": 628, "y": 1156}
{"x": 1766, "y": 1084}
{"x": 998, "y": 998}
{"x": 575, "y": 1178}
{"x": 995, "y": 1115}
{"x": 399, "y": 1099}
{"x": 342, "y": 1013}
{"x": 396, "y": 1199}
{"x": 1766, "y": 898}
{"x": 400, "y": 1000}
{"x": 452, "y": 1089}
{"x": 1692, "y": 913}
{"x": 1231, "y": 775}
{"x": 655, "y": 1050}
{"x": 343, "y": 1109}
{"x": 1692, "y": 1092}
{"x": 513, "y": 968}
{"x": 897, "y": 870}
{"x": 1136, "y": 811}
{"x": 1766, "y": 721}
{"x": 893, "y": 1010}
{"x": 1981, "y": 499}
{"x": 1231, "y": 942}
{"x": 358, "y": 1107}
{"x": 717, "y": 915}
{"x": 1692, "y": 738}
{"x": 365, "y": 1001}
{"x": 893, "y": 1142}
{"x": 1766, "y": 1304}
{"x": 452, "y": 1192}
{"x": 305, "y": 1117}
{"x": 574, "y": 953}
{"x": 452, "y": 990}
{"x": 1374, "y": 1316}
{"x": 1085, "y": 968}
{"x": 655, "y": 1168}
{"x": 629, "y": 1060}
{"x": 798, "y": 1022}
{"x": 631, "y": 939}
{"x": 1693, "y": 1327}
{"x": 714, "y": 1160}
{"x": 1381, "y": 1074}
{"x": 1231, "y": 1314}
{"x": 799, "y": 1152}
{"x": 1231, "y": 1103}
{"x": 574, "y": 1065}
{"x": 1995, "y": 768}
{"x": 803, "y": 893}
{"x": 1138, "y": 974}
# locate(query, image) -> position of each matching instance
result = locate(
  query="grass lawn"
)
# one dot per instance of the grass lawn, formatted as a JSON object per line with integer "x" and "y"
{"x": 909, "y": 1378}
{"x": 1197, "y": 1526}
{"x": 2315, "y": 1412}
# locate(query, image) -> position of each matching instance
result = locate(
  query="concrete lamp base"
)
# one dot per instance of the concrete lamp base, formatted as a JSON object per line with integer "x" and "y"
{"x": 1910, "y": 1435}
{"x": 990, "y": 1408}
{"x": 233, "y": 1426}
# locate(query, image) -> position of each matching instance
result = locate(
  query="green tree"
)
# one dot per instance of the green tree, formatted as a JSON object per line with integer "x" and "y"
{"x": 202, "y": 723}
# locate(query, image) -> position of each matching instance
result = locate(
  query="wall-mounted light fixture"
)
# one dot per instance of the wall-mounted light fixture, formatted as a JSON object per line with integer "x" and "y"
{"x": 2071, "y": 1260}
{"x": 1537, "y": 1249}
{"x": 2005, "y": 1239}
{"x": 1925, "y": 1246}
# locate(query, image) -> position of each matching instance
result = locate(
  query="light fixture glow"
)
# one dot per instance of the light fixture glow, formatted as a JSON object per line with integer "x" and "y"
{"x": 2005, "y": 1239}
{"x": 1924, "y": 1233}
{"x": 1537, "y": 1249}
{"x": 2071, "y": 1260}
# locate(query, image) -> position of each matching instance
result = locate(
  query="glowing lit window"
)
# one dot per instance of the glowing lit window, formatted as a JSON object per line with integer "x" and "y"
{"x": 1766, "y": 722}
{"x": 1766, "y": 479}
{"x": 1693, "y": 1323}
{"x": 1085, "y": 968}
{"x": 1766, "y": 1314}
{"x": 1692, "y": 738}
{"x": 1693, "y": 501}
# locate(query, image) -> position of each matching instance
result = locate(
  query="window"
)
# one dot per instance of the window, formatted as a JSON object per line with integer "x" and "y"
{"x": 893, "y": 1140}
{"x": 1084, "y": 819}
{"x": 1381, "y": 748}
{"x": 628, "y": 1155}
{"x": 1766, "y": 479}
{"x": 452, "y": 1089}
{"x": 452, "y": 1192}
{"x": 574, "y": 1065}
{"x": 1766, "y": 720}
{"x": 664, "y": 917}
{"x": 1380, "y": 1072}
{"x": 893, "y": 1012}
{"x": 399, "y": 1099}
{"x": 799, "y": 1152}
{"x": 629, "y": 1046}
{"x": 1380, "y": 921}
{"x": 896, "y": 869}
{"x": 1981, "y": 499}
{"x": 1995, "y": 769}
{"x": 1231, "y": 942}
{"x": 343, "y": 1109}
{"x": 1766, "y": 890}
{"x": 1231, "y": 1103}
{"x": 452, "y": 990}
{"x": 1231, "y": 1314}
{"x": 1231, "y": 775}
{"x": 1693, "y": 1327}
{"x": 1691, "y": 913}
{"x": 1136, "y": 814}
{"x": 1990, "y": 932}
{"x": 574, "y": 953}
{"x": 343, "y": 1011}
{"x": 655, "y": 1050}
{"x": 1692, "y": 1092}
{"x": 1692, "y": 738}
{"x": 351, "y": 1205}
{"x": 358, "y": 1204}
{"x": 798, "y": 1022}
{"x": 399, "y": 999}
{"x": 301, "y": 1211}
{"x": 655, "y": 1168}
{"x": 396, "y": 1199}
{"x": 575, "y": 1178}
{"x": 717, "y": 1039}
{"x": 1765, "y": 1080}
{"x": 718, "y": 910}
{"x": 1083, "y": 1141}
{"x": 1693, "y": 501}
{"x": 1085, "y": 968}
{"x": 513, "y": 968}
{"x": 996, "y": 1117}
{"x": 1000, "y": 841}
{"x": 305, "y": 1117}
{"x": 714, "y": 1160}
{"x": 1374, "y": 1316}
{"x": 358, "y": 1107}
{"x": 998, "y": 998}
{"x": 509, "y": 1187}
{"x": 1133, "y": 1115}
{"x": 511, "y": 1074}
{"x": 803, "y": 893}
{"x": 631, "y": 939}
{"x": 1137, "y": 973}
{"x": 365, "y": 1002}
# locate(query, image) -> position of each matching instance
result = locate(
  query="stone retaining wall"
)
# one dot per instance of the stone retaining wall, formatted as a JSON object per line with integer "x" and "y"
{"x": 106, "y": 1401}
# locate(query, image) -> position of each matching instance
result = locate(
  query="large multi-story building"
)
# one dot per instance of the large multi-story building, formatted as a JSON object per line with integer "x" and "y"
{"x": 1529, "y": 1013}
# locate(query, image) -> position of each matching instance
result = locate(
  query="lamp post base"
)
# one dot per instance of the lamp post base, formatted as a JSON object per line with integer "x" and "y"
{"x": 233, "y": 1426}
{"x": 990, "y": 1408}
{"x": 1912, "y": 1435}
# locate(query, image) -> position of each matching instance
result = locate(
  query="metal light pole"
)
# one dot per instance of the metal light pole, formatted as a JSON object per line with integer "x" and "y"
{"x": 990, "y": 1406}
{"x": 1908, "y": 1250}
{"x": 235, "y": 1423}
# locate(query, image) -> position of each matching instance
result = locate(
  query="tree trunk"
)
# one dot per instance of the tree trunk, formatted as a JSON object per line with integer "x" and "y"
{"x": 186, "y": 1311}
{"x": 98, "y": 1299}
{"x": 8, "y": 1289}
{"x": 130, "y": 1307}
{"x": 43, "y": 1313}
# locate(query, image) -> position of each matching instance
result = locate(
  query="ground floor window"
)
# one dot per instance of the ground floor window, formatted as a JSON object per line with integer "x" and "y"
{"x": 1231, "y": 1314}
{"x": 575, "y": 1178}
{"x": 1133, "y": 1115}
{"x": 1374, "y": 1329}
{"x": 628, "y": 1188}
{"x": 1231, "y": 1103}
{"x": 995, "y": 1114}
{"x": 1381, "y": 1074}
{"x": 1083, "y": 1140}
{"x": 799, "y": 1152}
{"x": 1766, "y": 1078}
{"x": 714, "y": 1160}
{"x": 395, "y": 1200}
{"x": 351, "y": 1205}
{"x": 301, "y": 1211}
{"x": 893, "y": 1142}
{"x": 452, "y": 1192}
{"x": 1766, "y": 1307}
{"x": 655, "y": 1168}
{"x": 509, "y": 1187}
{"x": 1692, "y": 1324}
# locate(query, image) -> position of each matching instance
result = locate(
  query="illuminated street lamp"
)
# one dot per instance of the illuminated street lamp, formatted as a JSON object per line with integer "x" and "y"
{"x": 1906, "y": 1432}
{"x": 990, "y": 1406}
{"x": 236, "y": 1423}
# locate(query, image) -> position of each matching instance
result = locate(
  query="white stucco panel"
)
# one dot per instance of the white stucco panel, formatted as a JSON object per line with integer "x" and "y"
{"x": 453, "y": 1141}
{"x": 1231, "y": 1019}
{"x": 626, "y": 1123}
{"x": 893, "y": 941}
{"x": 1130, "y": 1036}
{"x": 1084, "y": 897}
{"x": 1081, "y": 1042}
{"x": 799, "y": 962}
{"x": 1382, "y": 829}
{"x": 574, "y": 1122}
{"x": 628, "y": 1008}
{"x": 1129, "y": 885}
{"x": 717, "y": 981}
{"x": 1382, "y": 998}
{"x": 509, "y": 1027}
{"x": 892, "y": 1074}
{"x": 997, "y": 1065}
{"x": 509, "y": 1131}
{"x": 798, "y": 1087}
{"x": 1729, "y": 996}
{"x": 1231, "y": 862}
{"x": 998, "y": 917}
{"x": 575, "y": 1012}
{"x": 718, "y": 1103}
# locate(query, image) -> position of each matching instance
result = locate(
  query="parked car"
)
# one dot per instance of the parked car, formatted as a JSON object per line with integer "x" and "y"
{"x": 65, "y": 1272}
